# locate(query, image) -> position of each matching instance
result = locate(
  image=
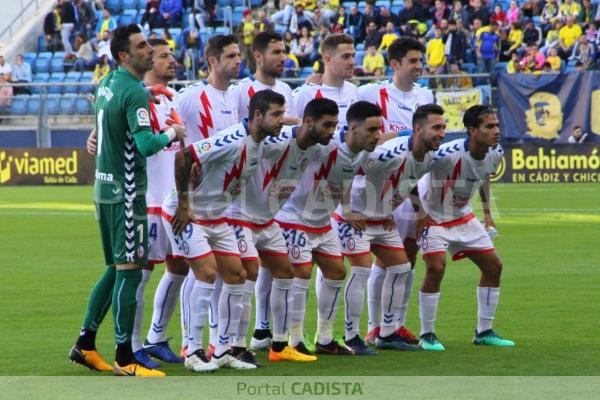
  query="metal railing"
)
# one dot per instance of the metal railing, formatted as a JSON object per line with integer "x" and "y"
{"x": 19, "y": 19}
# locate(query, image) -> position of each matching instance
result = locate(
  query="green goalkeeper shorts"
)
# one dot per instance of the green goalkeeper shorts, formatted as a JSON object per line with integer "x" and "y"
{"x": 123, "y": 232}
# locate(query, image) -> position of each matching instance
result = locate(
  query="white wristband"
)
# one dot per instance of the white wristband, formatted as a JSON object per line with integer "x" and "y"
{"x": 171, "y": 134}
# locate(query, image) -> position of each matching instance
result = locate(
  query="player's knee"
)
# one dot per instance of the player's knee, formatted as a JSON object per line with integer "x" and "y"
{"x": 435, "y": 271}
{"x": 496, "y": 270}
{"x": 302, "y": 273}
{"x": 336, "y": 274}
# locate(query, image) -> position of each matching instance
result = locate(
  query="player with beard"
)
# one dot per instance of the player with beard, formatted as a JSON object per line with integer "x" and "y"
{"x": 206, "y": 108}
{"x": 394, "y": 169}
{"x": 198, "y": 230}
{"x": 251, "y": 215}
{"x": 160, "y": 174}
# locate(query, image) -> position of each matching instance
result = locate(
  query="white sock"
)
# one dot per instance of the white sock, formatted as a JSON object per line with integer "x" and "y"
{"x": 230, "y": 311}
{"x": 136, "y": 342}
{"x": 165, "y": 299}
{"x": 328, "y": 300}
{"x": 184, "y": 304}
{"x": 487, "y": 301}
{"x": 354, "y": 297}
{"x": 374, "y": 286}
{"x": 408, "y": 286}
{"x": 392, "y": 295}
{"x": 299, "y": 294}
{"x": 428, "y": 306}
{"x": 281, "y": 304}
{"x": 262, "y": 295}
{"x": 318, "y": 282}
{"x": 242, "y": 330}
{"x": 213, "y": 312}
{"x": 199, "y": 301}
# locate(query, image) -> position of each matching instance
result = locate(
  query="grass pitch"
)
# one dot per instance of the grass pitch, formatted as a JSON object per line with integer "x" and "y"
{"x": 51, "y": 257}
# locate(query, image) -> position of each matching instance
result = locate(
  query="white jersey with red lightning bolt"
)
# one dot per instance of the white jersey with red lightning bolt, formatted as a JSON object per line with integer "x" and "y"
{"x": 455, "y": 177}
{"x": 161, "y": 166}
{"x": 321, "y": 186}
{"x": 397, "y": 106}
{"x": 344, "y": 96}
{"x": 243, "y": 91}
{"x": 282, "y": 162}
{"x": 226, "y": 160}
{"x": 391, "y": 173}
{"x": 206, "y": 110}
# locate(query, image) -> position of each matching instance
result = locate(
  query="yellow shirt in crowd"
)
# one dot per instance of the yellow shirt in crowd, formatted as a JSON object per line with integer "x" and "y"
{"x": 435, "y": 52}
{"x": 570, "y": 35}
{"x": 371, "y": 63}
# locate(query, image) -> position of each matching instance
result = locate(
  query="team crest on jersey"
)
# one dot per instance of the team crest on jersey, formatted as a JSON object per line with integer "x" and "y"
{"x": 303, "y": 164}
{"x": 140, "y": 251}
{"x": 205, "y": 147}
{"x": 242, "y": 246}
{"x": 295, "y": 252}
{"x": 143, "y": 118}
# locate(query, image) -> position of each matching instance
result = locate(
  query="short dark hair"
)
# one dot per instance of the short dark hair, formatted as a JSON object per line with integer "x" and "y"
{"x": 577, "y": 127}
{"x": 401, "y": 46}
{"x": 262, "y": 100}
{"x": 332, "y": 42}
{"x": 316, "y": 108}
{"x": 361, "y": 110}
{"x": 216, "y": 44}
{"x": 474, "y": 115}
{"x": 423, "y": 111}
{"x": 120, "y": 40}
{"x": 263, "y": 39}
{"x": 157, "y": 42}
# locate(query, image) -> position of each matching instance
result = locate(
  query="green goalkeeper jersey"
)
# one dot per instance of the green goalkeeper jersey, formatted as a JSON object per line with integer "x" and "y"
{"x": 124, "y": 138}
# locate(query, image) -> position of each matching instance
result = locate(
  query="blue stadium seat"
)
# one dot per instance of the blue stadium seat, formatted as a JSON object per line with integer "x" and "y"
{"x": 19, "y": 105}
{"x": 83, "y": 106}
{"x": 53, "y": 105}
{"x": 238, "y": 16}
{"x": 239, "y": 8}
{"x": 360, "y": 46}
{"x": 113, "y": 5}
{"x": 470, "y": 68}
{"x": 348, "y": 5}
{"x": 383, "y": 3}
{"x": 360, "y": 54}
{"x": 41, "y": 43}
{"x": 33, "y": 106}
{"x": 130, "y": 11}
{"x": 537, "y": 20}
{"x": 501, "y": 66}
{"x": 138, "y": 18}
{"x": 224, "y": 3}
{"x": 58, "y": 77}
{"x": 71, "y": 89}
{"x": 306, "y": 71}
{"x": 67, "y": 104}
{"x": 130, "y": 4}
{"x": 158, "y": 31}
{"x": 41, "y": 64}
{"x": 73, "y": 74}
{"x": 221, "y": 13}
{"x": 362, "y": 5}
{"x": 255, "y": 3}
{"x": 141, "y": 4}
{"x": 238, "y": 3}
{"x": 57, "y": 64}
{"x": 86, "y": 79}
{"x": 60, "y": 54}
{"x": 126, "y": 20}
{"x": 396, "y": 8}
{"x": 205, "y": 33}
{"x": 30, "y": 57}
{"x": 222, "y": 30}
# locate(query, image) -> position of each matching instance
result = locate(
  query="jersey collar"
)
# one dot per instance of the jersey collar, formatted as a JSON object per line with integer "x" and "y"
{"x": 245, "y": 124}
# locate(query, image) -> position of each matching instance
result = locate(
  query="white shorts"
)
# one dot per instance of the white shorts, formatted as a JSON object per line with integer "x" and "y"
{"x": 301, "y": 245}
{"x": 357, "y": 243}
{"x": 264, "y": 241}
{"x": 158, "y": 239}
{"x": 405, "y": 218}
{"x": 200, "y": 240}
{"x": 459, "y": 238}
